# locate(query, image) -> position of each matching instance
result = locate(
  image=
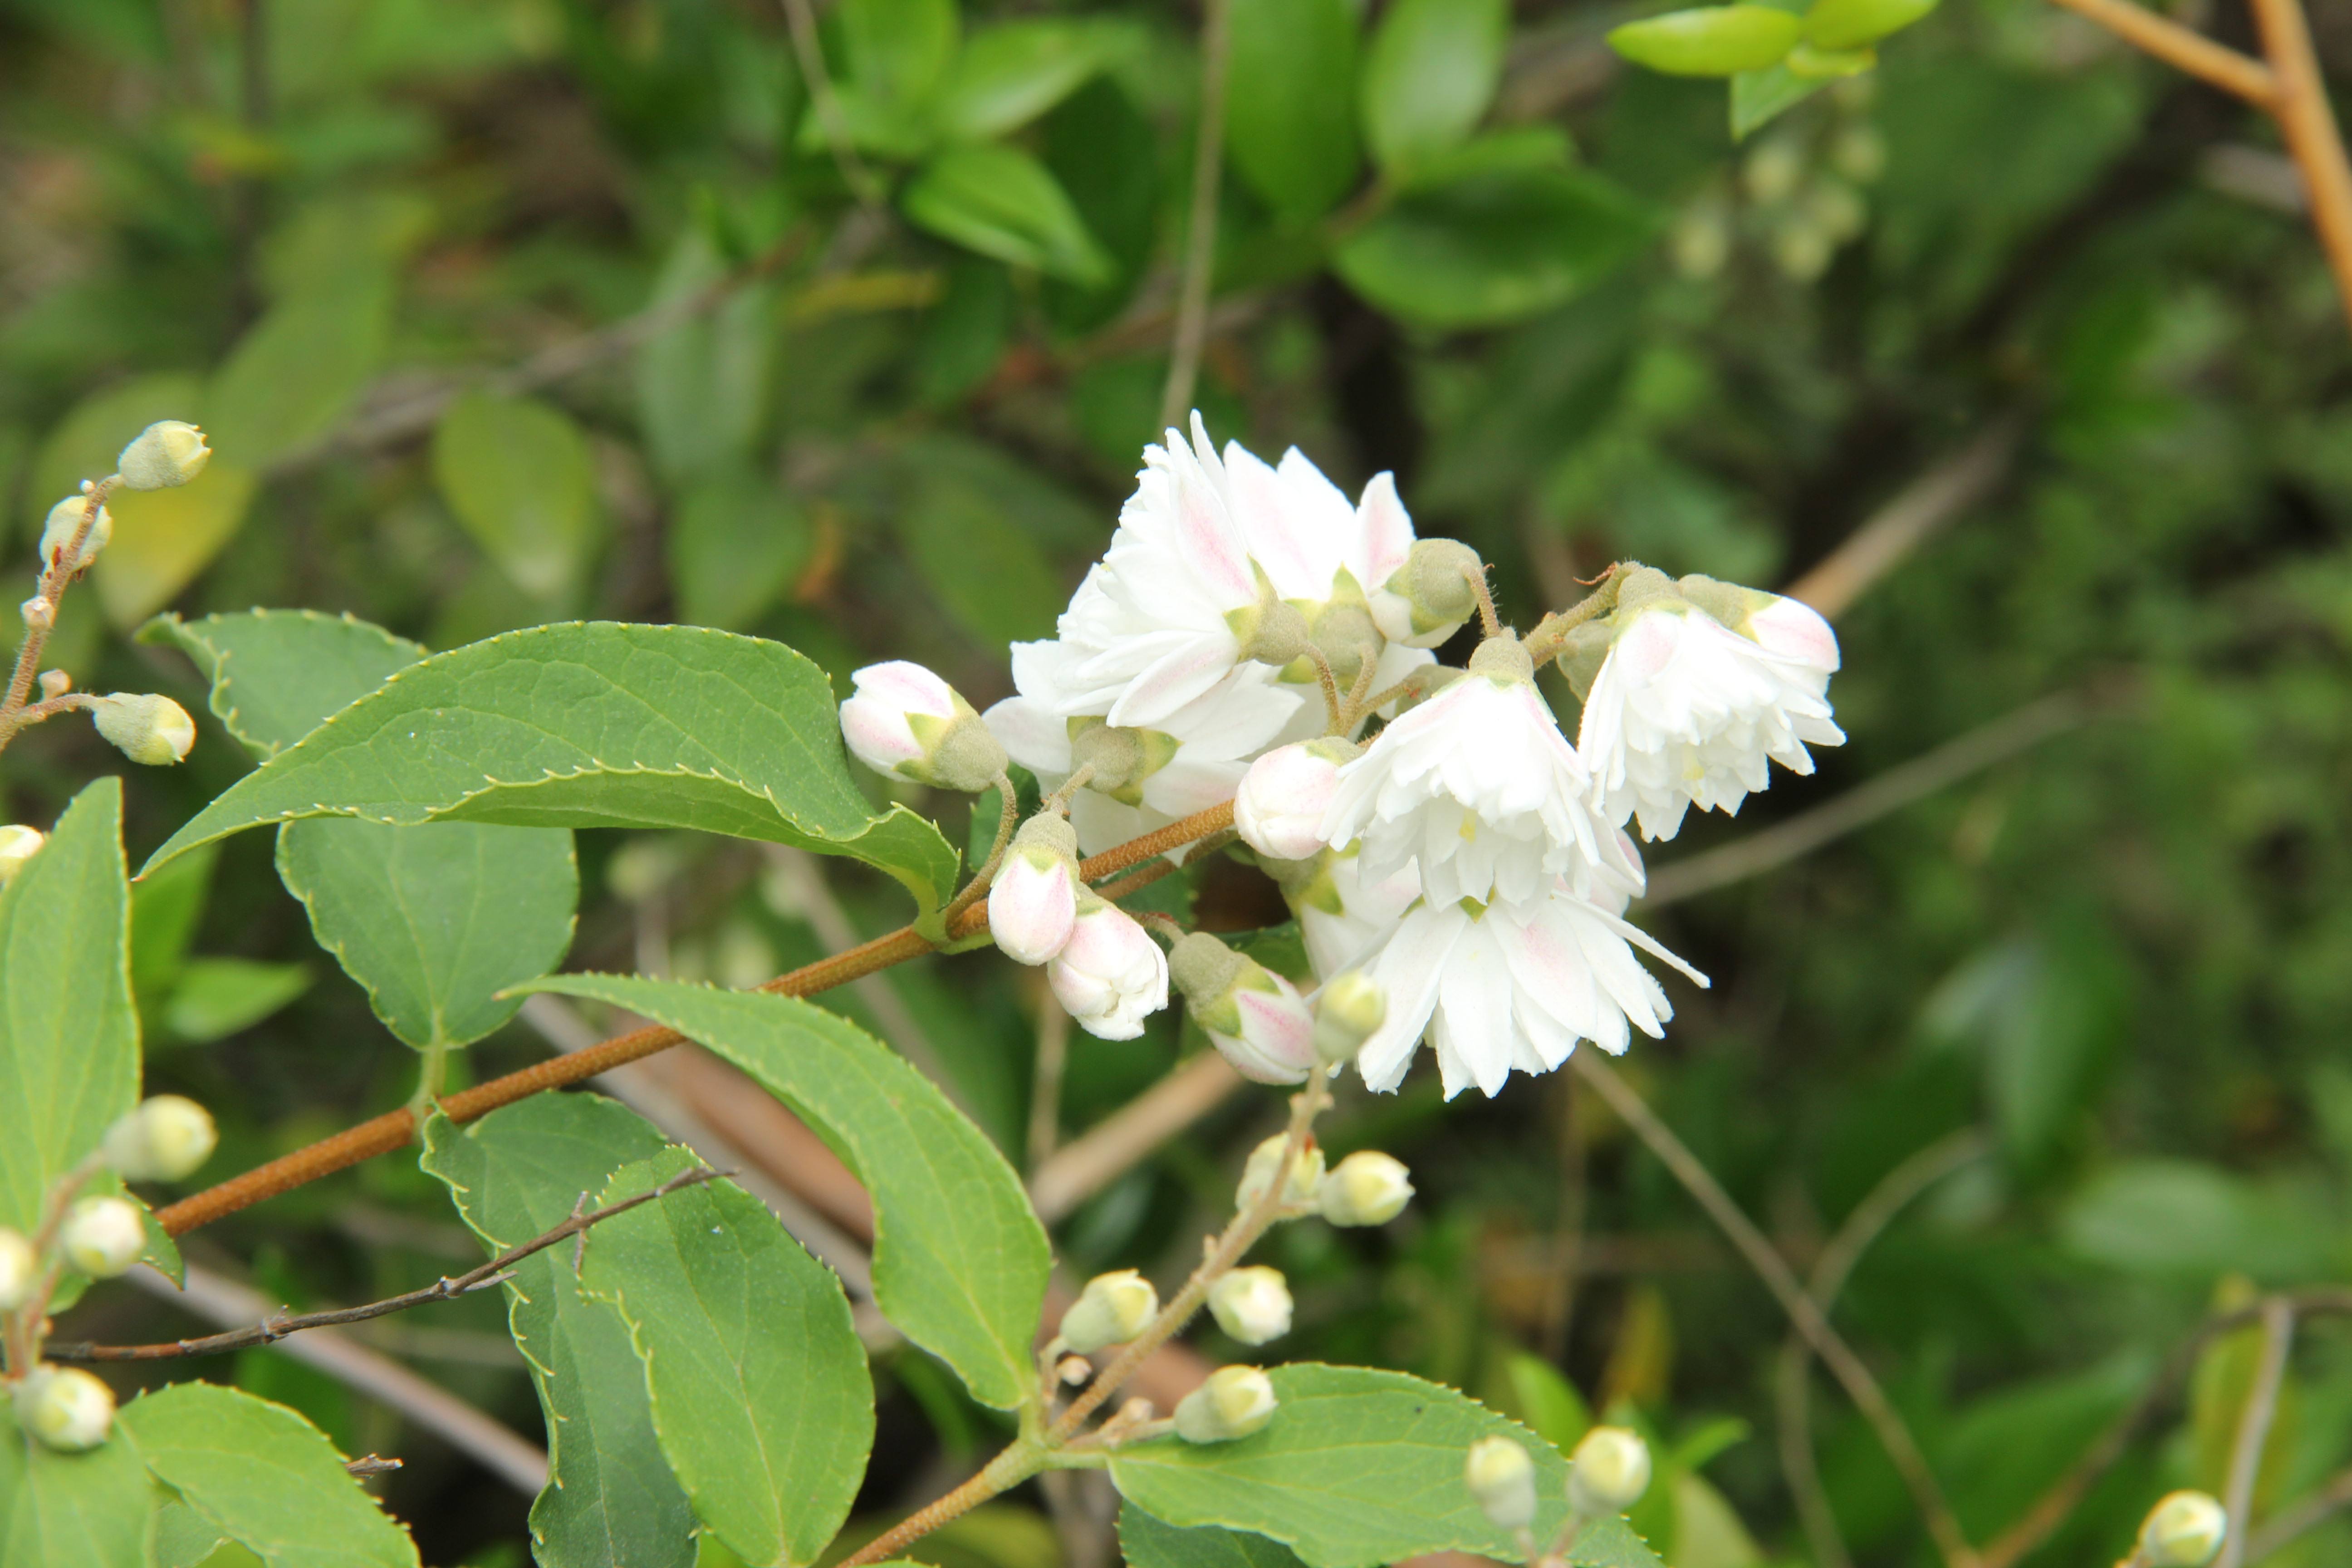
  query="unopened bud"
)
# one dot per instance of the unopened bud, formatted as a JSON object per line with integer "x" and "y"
{"x": 1279, "y": 807}
{"x": 2184, "y": 1529}
{"x": 39, "y": 613}
{"x": 1253, "y": 1305}
{"x": 1271, "y": 631}
{"x": 1254, "y": 1017}
{"x": 1501, "y": 1481}
{"x": 167, "y": 1138}
{"x": 1032, "y": 904}
{"x": 1367, "y": 1187}
{"x": 1348, "y": 1011}
{"x": 905, "y": 722}
{"x": 1609, "y": 1472}
{"x": 150, "y": 729}
{"x": 58, "y": 534}
{"x": 19, "y": 843}
{"x": 1429, "y": 597}
{"x": 1117, "y": 759}
{"x": 1305, "y": 1173}
{"x": 1235, "y": 1402}
{"x": 1112, "y": 1310}
{"x": 167, "y": 453}
{"x": 1111, "y": 975}
{"x": 67, "y": 1408}
{"x": 55, "y": 683}
{"x": 19, "y": 1266}
{"x": 103, "y": 1236}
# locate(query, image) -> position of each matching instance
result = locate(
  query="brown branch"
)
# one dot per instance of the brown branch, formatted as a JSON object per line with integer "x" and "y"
{"x": 2307, "y": 123}
{"x": 269, "y": 1331}
{"x": 1916, "y": 513}
{"x": 2182, "y": 47}
{"x": 1126, "y": 1137}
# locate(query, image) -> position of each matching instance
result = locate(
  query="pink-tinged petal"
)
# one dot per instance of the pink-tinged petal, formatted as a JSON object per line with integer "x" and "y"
{"x": 1032, "y": 907}
{"x": 876, "y": 735}
{"x": 1031, "y": 733}
{"x": 1190, "y": 673}
{"x": 1387, "y": 530}
{"x": 1794, "y": 629}
{"x": 906, "y": 686}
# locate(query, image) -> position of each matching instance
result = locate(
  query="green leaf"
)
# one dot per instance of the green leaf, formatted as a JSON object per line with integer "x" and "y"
{"x": 1709, "y": 40}
{"x": 163, "y": 913}
{"x": 1522, "y": 150}
{"x": 434, "y": 922}
{"x": 1760, "y": 97}
{"x": 702, "y": 385}
{"x": 979, "y": 562}
{"x": 276, "y": 674}
{"x": 1149, "y": 1543}
{"x": 761, "y": 1395}
{"x": 514, "y": 1174}
{"x": 897, "y": 50}
{"x": 1839, "y": 25}
{"x": 287, "y": 382}
{"x": 214, "y": 998}
{"x": 593, "y": 724}
{"x": 736, "y": 542}
{"x": 519, "y": 476}
{"x": 1358, "y": 1467}
{"x": 1290, "y": 102}
{"x": 267, "y": 1478}
{"x": 72, "y": 1511}
{"x": 68, "y": 1038}
{"x": 1010, "y": 73}
{"x": 960, "y": 1260}
{"x": 1429, "y": 75}
{"x": 2190, "y": 1221}
{"x": 1001, "y": 201}
{"x": 1548, "y": 1402}
{"x": 184, "y": 1538}
{"x": 1493, "y": 246}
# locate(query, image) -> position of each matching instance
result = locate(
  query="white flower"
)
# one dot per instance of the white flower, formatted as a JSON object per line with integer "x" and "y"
{"x": 1341, "y": 915}
{"x": 1253, "y": 1305}
{"x": 1687, "y": 712}
{"x": 1032, "y": 904}
{"x": 1511, "y": 984}
{"x": 1110, "y": 975}
{"x": 904, "y": 722}
{"x": 1480, "y": 787}
{"x": 1280, "y": 805}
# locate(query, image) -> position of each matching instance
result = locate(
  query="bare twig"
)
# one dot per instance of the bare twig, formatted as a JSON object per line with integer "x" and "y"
{"x": 1895, "y": 1192}
{"x": 520, "y": 1464}
{"x": 2255, "y": 1428}
{"x": 1045, "y": 1078}
{"x": 2307, "y": 124}
{"x": 1126, "y": 1137}
{"x": 808, "y": 51}
{"x": 1861, "y": 1386}
{"x": 277, "y": 1326}
{"x": 2292, "y": 1523}
{"x": 2182, "y": 47}
{"x": 1200, "y": 233}
{"x": 1916, "y": 514}
{"x": 813, "y": 899}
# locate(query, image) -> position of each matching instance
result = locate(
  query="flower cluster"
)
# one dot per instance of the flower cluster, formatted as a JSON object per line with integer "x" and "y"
{"x": 1458, "y": 866}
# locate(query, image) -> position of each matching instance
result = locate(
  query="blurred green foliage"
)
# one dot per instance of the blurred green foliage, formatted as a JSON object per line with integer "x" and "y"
{"x": 906, "y": 339}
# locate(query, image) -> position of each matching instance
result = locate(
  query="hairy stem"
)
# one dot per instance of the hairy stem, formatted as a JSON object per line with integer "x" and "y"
{"x": 54, "y": 584}
{"x": 1543, "y": 644}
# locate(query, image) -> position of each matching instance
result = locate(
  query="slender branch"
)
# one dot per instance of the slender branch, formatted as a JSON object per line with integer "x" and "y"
{"x": 2255, "y": 1428}
{"x": 2183, "y": 47}
{"x": 1895, "y": 1192}
{"x": 1200, "y": 229}
{"x": 808, "y": 50}
{"x": 1773, "y": 1270}
{"x": 1916, "y": 513}
{"x": 2292, "y": 1523}
{"x": 52, "y": 592}
{"x": 1045, "y": 1078}
{"x": 396, "y": 1128}
{"x": 2307, "y": 124}
{"x": 269, "y": 1331}
{"x": 1126, "y": 1137}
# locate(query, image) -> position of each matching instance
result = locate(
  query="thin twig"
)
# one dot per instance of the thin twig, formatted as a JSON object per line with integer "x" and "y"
{"x": 2292, "y": 1523}
{"x": 1861, "y": 1386}
{"x": 1045, "y": 1078}
{"x": 2307, "y": 124}
{"x": 270, "y": 1330}
{"x": 2182, "y": 47}
{"x": 1126, "y": 1137}
{"x": 2255, "y": 1428}
{"x": 1917, "y": 513}
{"x": 1895, "y": 1192}
{"x": 808, "y": 51}
{"x": 1201, "y": 232}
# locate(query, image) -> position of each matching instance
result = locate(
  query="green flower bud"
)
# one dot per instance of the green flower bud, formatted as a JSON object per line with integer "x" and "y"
{"x": 19, "y": 843}
{"x": 64, "y": 523}
{"x": 1435, "y": 592}
{"x": 167, "y": 1138}
{"x": 1112, "y": 1310}
{"x": 2184, "y": 1529}
{"x": 1348, "y": 1010}
{"x": 1253, "y": 1305}
{"x": 103, "y": 1236}
{"x": 1367, "y": 1187}
{"x": 1709, "y": 40}
{"x": 1235, "y": 1402}
{"x": 150, "y": 729}
{"x": 65, "y": 1407}
{"x": 1502, "y": 1481}
{"x": 1306, "y": 1173}
{"x": 167, "y": 453}
{"x": 1609, "y": 1472}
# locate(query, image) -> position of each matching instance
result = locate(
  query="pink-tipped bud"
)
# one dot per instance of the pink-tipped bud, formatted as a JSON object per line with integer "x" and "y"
{"x": 1032, "y": 904}
{"x": 905, "y": 722}
{"x": 1110, "y": 975}
{"x": 1254, "y": 1017}
{"x": 1280, "y": 806}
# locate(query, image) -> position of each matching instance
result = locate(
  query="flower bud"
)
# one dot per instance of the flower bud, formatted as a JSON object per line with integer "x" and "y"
{"x": 19, "y": 1266}
{"x": 39, "y": 613}
{"x": 150, "y": 729}
{"x": 19, "y": 843}
{"x": 1253, "y": 1305}
{"x": 1265, "y": 1160}
{"x": 1609, "y": 1472}
{"x": 103, "y": 1236}
{"x": 1428, "y": 597}
{"x": 1254, "y": 1017}
{"x": 167, "y": 1138}
{"x": 55, "y": 683}
{"x": 1112, "y": 1310}
{"x": 1033, "y": 903}
{"x": 1501, "y": 1481}
{"x": 1110, "y": 975}
{"x": 2184, "y": 1529}
{"x": 67, "y": 1408}
{"x": 1235, "y": 1402}
{"x": 167, "y": 453}
{"x": 65, "y": 521}
{"x": 1367, "y": 1187}
{"x": 904, "y": 722}
{"x": 1348, "y": 1010}
{"x": 1280, "y": 805}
